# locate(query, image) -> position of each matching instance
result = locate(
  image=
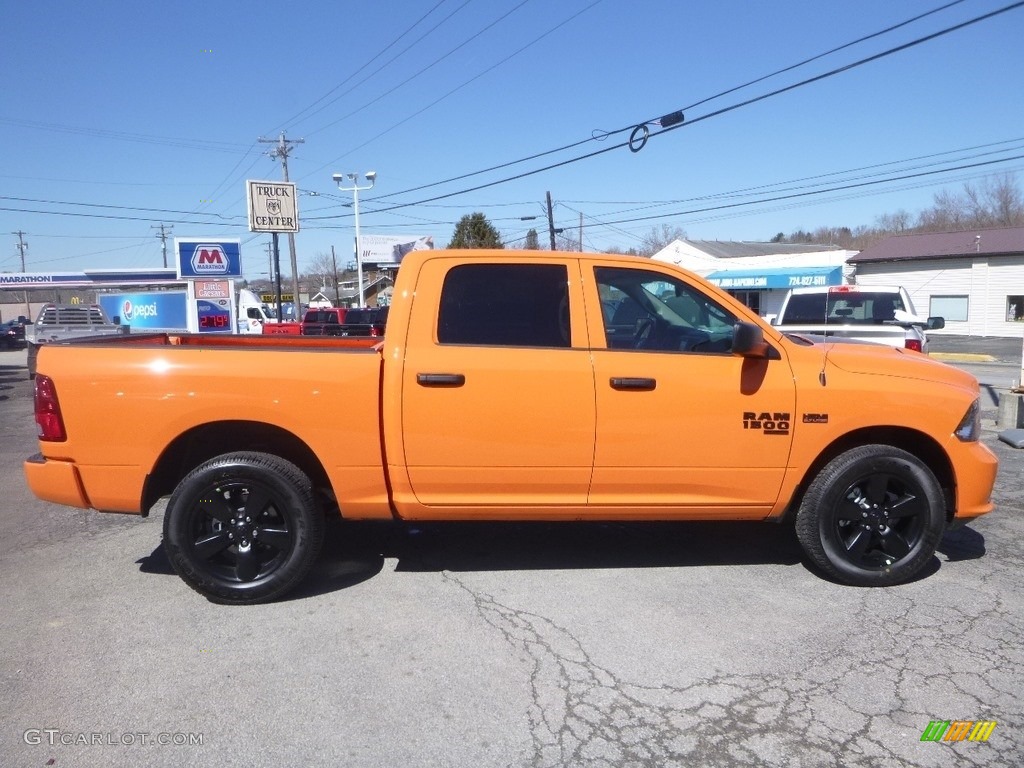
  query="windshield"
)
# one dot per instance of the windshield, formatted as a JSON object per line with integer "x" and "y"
{"x": 849, "y": 307}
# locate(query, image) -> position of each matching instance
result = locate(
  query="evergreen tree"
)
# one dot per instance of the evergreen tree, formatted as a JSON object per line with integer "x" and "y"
{"x": 475, "y": 231}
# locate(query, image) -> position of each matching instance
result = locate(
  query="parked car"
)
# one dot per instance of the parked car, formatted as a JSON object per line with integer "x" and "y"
{"x": 64, "y": 322}
{"x": 876, "y": 314}
{"x": 12, "y": 335}
{"x": 364, "y": 321}
{"x": 322, "y": 321}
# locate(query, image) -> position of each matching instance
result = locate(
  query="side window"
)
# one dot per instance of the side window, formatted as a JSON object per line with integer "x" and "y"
{"x": 505, "y": 305}
{"x": 648, "y": 310}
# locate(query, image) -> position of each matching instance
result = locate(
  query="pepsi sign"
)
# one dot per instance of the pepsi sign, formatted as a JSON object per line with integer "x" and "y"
{"x": 164, "y": 310}
{"x": 208, "y": 258}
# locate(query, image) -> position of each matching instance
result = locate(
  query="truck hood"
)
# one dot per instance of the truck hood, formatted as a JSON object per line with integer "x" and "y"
{"x": 879, "y": 360}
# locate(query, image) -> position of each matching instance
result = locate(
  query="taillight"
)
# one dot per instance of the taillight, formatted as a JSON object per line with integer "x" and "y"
{"x": 914, "y": 344}
{"x": 49, "y": 422}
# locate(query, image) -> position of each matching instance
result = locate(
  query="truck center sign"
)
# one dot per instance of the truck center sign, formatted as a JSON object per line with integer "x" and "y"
{"x": 273, "y": 206}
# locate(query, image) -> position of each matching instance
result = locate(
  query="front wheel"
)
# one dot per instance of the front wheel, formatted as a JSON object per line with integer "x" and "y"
{"x": 872, "y": 517}
{"x": 243, "y": 528}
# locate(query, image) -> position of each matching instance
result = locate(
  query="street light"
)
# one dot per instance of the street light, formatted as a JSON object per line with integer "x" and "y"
{"x": 339, "y": 178}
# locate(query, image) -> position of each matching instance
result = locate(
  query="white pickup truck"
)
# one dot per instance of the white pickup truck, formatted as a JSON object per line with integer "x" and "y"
{"x": 63, "y": 322}
{"x": 877, "y": 314}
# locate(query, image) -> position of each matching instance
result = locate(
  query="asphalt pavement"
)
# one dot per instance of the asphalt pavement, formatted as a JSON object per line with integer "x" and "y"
{"x": 539, "y": 646}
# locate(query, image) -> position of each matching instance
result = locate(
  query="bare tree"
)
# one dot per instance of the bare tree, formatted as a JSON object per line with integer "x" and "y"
{"x": 894, "y": 222}
{"x": 1005, "y": 201}
{"x": 996, "y": 202}
{"x": 656, "y": 239}
{"x": 320, "y": 272}
{"x": 567, "y": 240}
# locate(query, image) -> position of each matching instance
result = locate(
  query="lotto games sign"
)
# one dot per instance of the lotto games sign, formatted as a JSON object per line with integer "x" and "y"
{"x": 198, "y": 259}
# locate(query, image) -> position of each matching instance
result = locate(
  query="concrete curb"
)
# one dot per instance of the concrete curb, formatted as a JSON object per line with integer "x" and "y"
{"x": 963, "y": 357}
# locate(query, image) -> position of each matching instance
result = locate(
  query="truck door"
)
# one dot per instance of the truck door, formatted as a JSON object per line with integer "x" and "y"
{"x": 498, "y": 387}
{"x": 682, "y": 423}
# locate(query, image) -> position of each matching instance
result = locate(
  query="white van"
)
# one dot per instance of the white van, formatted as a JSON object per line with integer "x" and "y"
{"x": 252, "y": 312}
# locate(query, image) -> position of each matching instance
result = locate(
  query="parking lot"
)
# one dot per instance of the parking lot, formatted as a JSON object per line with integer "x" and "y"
{"x": 505, "y": 645}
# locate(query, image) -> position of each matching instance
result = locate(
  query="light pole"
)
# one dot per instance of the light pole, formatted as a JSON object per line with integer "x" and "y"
{"x": 339, "y": 178}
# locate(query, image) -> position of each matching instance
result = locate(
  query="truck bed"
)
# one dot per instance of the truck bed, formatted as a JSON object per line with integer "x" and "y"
{"x": 233, "y": 341}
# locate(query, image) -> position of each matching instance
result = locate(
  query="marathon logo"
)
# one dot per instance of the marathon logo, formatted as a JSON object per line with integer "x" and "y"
{"x": 768, "y": 423}
{"x": 209, "y": 260}
{"x": 25, "y": 279}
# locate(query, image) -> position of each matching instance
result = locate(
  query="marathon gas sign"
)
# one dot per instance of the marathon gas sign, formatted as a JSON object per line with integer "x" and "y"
{"x": 198, "y": 259}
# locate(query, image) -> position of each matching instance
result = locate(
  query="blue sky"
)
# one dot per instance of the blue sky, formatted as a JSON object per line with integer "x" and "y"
{"x": 135, "y": 114}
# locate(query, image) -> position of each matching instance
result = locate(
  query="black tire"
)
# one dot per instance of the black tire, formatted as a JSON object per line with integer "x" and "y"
{"x": 872, "y": 517}
{"x": 243, "y": 528}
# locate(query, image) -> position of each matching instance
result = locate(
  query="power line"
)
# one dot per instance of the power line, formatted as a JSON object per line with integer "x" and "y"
{"x": 370, "y": 61}
{"x": 753, "y": 100}
{"x": 605, "y": 134}
{"x": 427, "y": 68}
{"x": 456, "y": 89}
{"x": 796, "y": 195}
{"x": 103, "y": 133}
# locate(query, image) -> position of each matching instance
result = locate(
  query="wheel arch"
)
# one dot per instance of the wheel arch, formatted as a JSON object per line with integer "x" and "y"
{"x": 912, "y": 441}
{"x": 204, "y": 442}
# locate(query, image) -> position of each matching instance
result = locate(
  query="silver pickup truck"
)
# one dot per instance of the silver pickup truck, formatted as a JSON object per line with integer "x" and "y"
{"x": 876, "y": 314}
{"x": 64, "y": 322}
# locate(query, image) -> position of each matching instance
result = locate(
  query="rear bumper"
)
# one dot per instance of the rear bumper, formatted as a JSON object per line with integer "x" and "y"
{"x": 56, "y": 481}
{"x": 106, "y": 488}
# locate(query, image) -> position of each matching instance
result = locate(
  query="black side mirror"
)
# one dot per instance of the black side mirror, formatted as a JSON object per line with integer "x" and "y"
{"x": 748, "y": 341}
{"x": 935, "y": 323}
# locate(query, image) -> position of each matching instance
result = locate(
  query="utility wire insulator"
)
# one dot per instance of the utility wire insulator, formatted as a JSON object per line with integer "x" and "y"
{"x": 672, "y": 118}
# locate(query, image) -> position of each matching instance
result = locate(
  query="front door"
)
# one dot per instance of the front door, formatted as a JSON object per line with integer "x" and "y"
{"x": 682, "y": 423}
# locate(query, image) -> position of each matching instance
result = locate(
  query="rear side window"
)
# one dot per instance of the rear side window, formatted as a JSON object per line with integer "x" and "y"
{"x": 805, "y": 309}
{"x": 505, "y": 305}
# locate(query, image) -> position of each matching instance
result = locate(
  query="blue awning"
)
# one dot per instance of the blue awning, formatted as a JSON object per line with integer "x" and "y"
{"x": 779, "y": 277}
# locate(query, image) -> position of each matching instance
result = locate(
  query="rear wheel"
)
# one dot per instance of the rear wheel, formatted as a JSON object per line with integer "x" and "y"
{"x": 872, "y": 517}
{"x": 243, "y": 528}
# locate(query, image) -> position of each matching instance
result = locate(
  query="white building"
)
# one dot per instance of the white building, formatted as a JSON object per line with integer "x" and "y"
{"x": 760, "y": 274}
{"x": 974, "y": 279}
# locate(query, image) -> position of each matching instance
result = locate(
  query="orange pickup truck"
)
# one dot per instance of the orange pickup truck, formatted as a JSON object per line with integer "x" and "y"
{"x": 515, "y": 386}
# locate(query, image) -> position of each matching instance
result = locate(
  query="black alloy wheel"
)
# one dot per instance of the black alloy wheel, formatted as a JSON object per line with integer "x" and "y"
{"x": 872, "y": 517}
{"x": 243, "y": 528}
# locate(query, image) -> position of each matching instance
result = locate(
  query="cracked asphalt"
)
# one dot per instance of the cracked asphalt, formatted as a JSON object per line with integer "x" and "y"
{"x": 502, "y": 645}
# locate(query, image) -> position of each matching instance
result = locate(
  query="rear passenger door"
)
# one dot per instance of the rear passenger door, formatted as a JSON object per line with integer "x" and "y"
{"x": 498, "y": 387}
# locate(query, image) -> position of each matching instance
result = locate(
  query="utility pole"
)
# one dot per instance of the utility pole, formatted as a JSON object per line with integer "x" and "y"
{"x": 281, "y": 152}
{"x": 163, "y": 238}
{"x": 551, "y": 222}
{"x": 22, "y": 247}
{"x": 337, "y": 295}
{"x": 270, "y": 260}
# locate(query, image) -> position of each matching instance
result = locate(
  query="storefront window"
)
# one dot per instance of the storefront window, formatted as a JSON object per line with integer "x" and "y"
{"x": 1014, "y": 309}
{"x": 751, "y": 298}
{"x": 952, "y": 308}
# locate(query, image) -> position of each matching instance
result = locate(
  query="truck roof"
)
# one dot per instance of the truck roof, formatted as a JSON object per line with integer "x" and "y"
{"x": 847, "y": 288}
